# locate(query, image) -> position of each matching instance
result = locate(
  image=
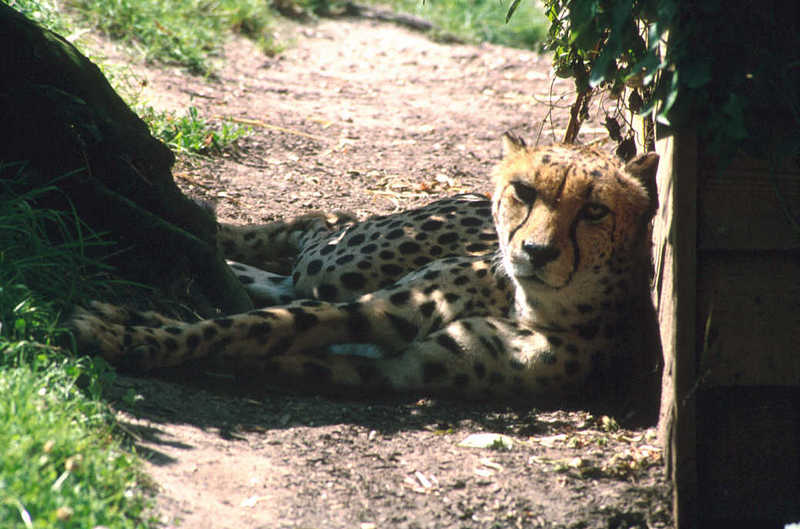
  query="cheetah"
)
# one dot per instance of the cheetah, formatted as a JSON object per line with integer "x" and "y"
{"x": 524, "y": 294}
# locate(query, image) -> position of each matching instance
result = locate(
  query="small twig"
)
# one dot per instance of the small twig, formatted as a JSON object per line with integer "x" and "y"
{"x": 399, "y": 194}
{"x": 601, "y": 139}
{"x": 581, "y": 100}
{"x": 194, "y": 93}
{"x": 586, "y": 130}
{"x": 548, "y": 100}
{"x": 574, "y": 124}
{"x": 129, "y": 432}
{"x": 549, "y": 116}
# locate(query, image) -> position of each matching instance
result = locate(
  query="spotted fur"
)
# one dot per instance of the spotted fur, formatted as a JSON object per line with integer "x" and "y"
{"x": 527, "y": 294}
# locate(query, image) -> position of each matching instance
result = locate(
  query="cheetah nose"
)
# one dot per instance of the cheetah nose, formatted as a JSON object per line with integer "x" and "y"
{"x": 540, "y": 254}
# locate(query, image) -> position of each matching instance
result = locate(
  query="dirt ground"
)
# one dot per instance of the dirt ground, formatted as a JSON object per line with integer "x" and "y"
{"x": 372, "y": 118}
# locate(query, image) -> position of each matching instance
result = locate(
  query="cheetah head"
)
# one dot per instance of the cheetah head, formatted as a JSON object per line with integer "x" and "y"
{"x": 567, "y": 215}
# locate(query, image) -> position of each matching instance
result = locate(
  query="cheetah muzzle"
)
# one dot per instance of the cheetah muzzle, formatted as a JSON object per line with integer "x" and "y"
{"x": 529, "y": 294}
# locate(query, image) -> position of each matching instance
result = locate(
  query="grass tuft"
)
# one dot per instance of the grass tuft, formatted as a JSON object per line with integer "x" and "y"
{"x": 43, "y": 248}
{"x": 44, "y": 12}
{"x": 192, "y": 134}
{"x": 186, "y": 32}
{"x": 60, "y": 466}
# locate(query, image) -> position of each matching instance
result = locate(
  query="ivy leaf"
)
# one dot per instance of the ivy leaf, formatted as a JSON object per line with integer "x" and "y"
{"x": 645, "y": 68}
{"x": 696, "y": 74}
{"x": 601, "y": 67}
{"x": 621, "y": 16}
{"x": 669, "y": 100}
{"x": 654, "y": 33}
{"x": 583, "y": 32}
{"x": 734, "y": 111}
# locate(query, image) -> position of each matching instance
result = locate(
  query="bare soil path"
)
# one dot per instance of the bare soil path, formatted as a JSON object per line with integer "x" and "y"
{"x": 372, "y": 118}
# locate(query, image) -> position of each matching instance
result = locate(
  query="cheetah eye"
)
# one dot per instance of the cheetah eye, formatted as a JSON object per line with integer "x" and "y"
{"x": 594, "y": 212}
{"x": 524, "y": 193}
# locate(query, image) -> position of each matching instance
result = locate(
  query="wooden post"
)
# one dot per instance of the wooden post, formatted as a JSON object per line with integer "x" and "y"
{"x": 674, "y": 233}
{"x": 727, "y": 285}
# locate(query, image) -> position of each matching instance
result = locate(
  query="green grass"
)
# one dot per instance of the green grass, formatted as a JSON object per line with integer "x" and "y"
{"x": 59, "y": 465}
{"x": 28, "y": 254}
{"x": 186, "y": 32}
{"x": 482, "y": 20}
{"x": 45, "y": 12}
{"x": 469, "y": 20}
{"x": 190, "y": 133}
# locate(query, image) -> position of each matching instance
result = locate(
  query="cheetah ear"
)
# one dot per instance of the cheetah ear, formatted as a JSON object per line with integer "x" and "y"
{"x": 643, "y": 168}
{"x": 512, "y": 144}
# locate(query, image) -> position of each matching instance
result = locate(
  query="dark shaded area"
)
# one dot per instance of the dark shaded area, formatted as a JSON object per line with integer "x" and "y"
{"x": 741, "y": 449}
{"x": 373, "y": 454}
{"x": 740, "y": 78}
{"x": 66, "y": 125}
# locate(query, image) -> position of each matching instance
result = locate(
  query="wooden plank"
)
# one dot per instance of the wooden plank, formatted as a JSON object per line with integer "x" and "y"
{"x": 747, "y": 457}
{"x": 748, "y": 318}
{"x": 674, "y": 249}
{"x": 748, "y": 210}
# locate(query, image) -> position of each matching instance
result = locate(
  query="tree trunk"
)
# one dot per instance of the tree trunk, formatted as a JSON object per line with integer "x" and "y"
{"x": 64, "y": 122}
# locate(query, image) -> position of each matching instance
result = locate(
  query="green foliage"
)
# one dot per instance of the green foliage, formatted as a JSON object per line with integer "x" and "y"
{"x": 599, "y": 42}
{"x": 45, "y": 12}
{"x": 191, "y": 134}
{"x": 722, "y": 67}
{"x": 737, "y": 72}
{"x": 470, "y": 20}
{"x": 41, "y": 248}
{"x": 186, "y": 32}
{"x": 482, "y": 20}
{"x": 60, "y": 467}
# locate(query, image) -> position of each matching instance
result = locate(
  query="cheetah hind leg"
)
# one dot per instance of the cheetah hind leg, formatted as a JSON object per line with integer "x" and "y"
{"x": 473, "y": 358}
{"x": 425, "y": 367}
{"x": 274, "y": 246}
